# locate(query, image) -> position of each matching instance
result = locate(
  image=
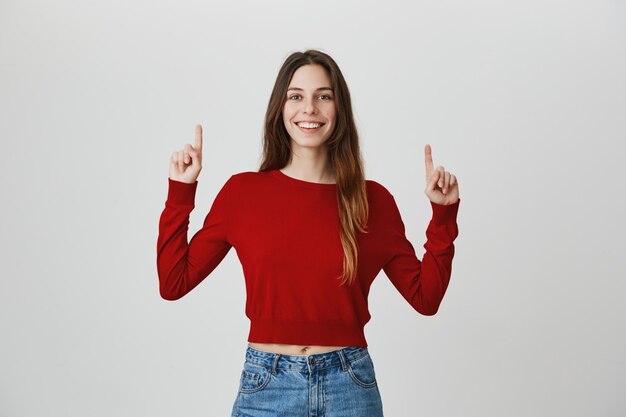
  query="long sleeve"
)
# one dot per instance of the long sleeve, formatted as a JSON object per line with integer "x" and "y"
{"x": 423, "y": 283}
{"x": 182, "y": 266}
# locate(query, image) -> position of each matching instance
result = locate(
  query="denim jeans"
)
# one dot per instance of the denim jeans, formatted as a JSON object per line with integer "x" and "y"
{"x": 340, "y": 383}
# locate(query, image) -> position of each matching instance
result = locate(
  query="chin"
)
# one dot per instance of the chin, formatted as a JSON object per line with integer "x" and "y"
{"x": 308, "y": 143}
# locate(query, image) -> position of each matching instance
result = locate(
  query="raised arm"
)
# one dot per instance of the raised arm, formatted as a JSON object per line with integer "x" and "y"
{"x": 182, "y": 265}
{"x": 424, "y": 283}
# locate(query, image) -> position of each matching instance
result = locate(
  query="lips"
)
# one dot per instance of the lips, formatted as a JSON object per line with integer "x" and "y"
{"x": 310, "y": 122}
{"x": 310, "y": 129}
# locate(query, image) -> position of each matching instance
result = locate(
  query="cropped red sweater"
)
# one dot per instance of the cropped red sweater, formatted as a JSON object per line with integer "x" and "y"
{"x": 285, "y": 232}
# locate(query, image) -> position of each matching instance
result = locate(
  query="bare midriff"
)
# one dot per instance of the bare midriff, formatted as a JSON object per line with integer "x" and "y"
{"x": 301, "y": 350}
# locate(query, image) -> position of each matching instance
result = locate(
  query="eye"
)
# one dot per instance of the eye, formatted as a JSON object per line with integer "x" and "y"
{"x": 295, "y": 95}
{"x": 326, "y": 95}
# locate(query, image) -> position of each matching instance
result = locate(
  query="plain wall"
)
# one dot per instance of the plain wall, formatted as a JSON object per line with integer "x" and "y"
{"x": 525, "y": 102}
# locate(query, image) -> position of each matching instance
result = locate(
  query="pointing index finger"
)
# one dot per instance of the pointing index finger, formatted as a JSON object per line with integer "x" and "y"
{"x": 428, "y": 159}
{"x": 199, "y": 137}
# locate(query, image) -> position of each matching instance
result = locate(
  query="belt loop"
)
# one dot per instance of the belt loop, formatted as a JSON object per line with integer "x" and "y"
{"x": 345, "y": 364}
{"x": 275, "y": 363}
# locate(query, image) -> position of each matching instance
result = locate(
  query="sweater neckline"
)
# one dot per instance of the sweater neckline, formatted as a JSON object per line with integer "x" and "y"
{"x": 277, "y": 173}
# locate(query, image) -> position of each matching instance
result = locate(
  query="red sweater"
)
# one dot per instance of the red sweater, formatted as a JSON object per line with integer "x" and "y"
{"x": 285, "y": 232}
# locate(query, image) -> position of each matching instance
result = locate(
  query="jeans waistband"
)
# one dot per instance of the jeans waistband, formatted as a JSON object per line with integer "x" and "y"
{"x": 340, "y": 357}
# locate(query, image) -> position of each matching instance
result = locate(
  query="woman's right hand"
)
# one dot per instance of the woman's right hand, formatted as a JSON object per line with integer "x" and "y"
{"x": 186, "y": 164}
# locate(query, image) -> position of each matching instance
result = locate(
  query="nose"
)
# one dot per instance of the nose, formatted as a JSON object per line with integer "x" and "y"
{"x": 309, "y": 106}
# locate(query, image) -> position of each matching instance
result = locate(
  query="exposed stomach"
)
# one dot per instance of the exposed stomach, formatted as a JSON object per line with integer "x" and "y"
{"x": 298, "y": 350}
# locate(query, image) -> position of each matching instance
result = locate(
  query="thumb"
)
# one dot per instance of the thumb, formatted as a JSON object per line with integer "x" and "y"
{"x": 195, "y": 160}
{"x": 192, "y": 152}
{"x": 432, "y": 182}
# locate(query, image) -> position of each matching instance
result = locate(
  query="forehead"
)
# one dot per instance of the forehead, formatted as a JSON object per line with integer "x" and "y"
{"x": 311, "y": 76}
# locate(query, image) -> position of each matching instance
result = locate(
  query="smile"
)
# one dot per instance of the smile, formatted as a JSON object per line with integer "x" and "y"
{"x": 309, "y": 127}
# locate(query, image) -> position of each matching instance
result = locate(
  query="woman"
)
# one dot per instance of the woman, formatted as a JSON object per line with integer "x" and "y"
{"x": 311, "y": 234}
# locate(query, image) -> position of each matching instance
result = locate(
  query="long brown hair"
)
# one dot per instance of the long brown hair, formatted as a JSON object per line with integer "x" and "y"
{"x": 344, "y": 154}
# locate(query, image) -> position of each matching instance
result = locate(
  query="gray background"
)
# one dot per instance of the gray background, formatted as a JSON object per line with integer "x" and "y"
{"x": 523, "y": 101}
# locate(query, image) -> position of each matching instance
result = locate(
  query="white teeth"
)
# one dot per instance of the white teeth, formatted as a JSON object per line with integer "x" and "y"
{"x": 309, "y": 125}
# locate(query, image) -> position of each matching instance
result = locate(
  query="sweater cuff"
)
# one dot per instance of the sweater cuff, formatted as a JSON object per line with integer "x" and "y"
{"x": 181, "y": 193}
{"x": 445, "y": 214}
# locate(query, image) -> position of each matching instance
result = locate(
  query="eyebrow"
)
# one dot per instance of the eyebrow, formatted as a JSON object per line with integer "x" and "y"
{"x": 300, "y": 89}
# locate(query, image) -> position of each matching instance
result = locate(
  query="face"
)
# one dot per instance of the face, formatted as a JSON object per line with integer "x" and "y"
{"x": 310, "y": 98}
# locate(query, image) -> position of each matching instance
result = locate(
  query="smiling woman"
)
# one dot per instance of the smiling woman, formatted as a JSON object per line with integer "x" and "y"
{"x": 310, "y": 74}
{"x": 312, "y": 234}
{"x": 309, "y": 113}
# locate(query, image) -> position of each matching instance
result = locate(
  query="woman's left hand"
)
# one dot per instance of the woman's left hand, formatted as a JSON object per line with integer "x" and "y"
{"x": 442, "y": 187}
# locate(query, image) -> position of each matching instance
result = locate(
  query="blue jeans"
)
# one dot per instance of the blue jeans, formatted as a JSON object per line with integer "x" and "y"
{"x": 340, "y": 383}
